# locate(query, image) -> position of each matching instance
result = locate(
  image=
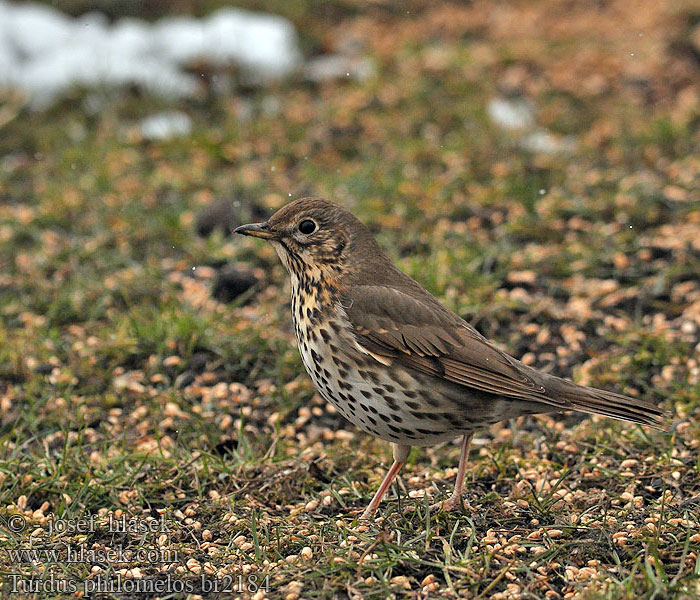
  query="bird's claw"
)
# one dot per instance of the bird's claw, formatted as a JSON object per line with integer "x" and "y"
{"x": 449, "y": 505}
{"x": 367, "y": 515}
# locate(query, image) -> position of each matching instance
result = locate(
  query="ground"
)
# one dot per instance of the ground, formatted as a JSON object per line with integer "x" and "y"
{"x": 153, "y": 402}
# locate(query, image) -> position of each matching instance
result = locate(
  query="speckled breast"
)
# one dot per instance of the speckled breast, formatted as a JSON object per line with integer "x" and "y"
{"x": 386, "y": 401}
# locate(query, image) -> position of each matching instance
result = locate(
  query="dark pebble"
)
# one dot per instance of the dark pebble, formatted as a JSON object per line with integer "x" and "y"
{"x": 184, "y": 379}
{"x": 44, "y": 369}
{"x": 231, "y": 283}
{"x": 198, "y": 362}
{"x": 226, "y": 446}
{"x": 218, "y": 215}
{"x": 316, "y": 472}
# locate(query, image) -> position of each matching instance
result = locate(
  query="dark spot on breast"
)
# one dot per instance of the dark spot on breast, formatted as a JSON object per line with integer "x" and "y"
{"x": 366, "y": 393}
{"x": 390, "y": 388}
{"x": 318, "y": 359}
{"x": 397, "y": 418}
{"x": 391, "y": 403}
{"x": 413, "y": 405}
{"x": 410, "y": 394}
{"x": 388, "y": 397}
{"x": 372, "y": 377}
{"x": 324, "y": 335}
{"x": 433, "y": 402}
{"x": 393, "y": 428}
{"x": 398, "y": 377}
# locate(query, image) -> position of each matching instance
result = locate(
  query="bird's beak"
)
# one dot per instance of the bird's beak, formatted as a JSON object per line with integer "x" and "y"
{"x": 259, "y": 230}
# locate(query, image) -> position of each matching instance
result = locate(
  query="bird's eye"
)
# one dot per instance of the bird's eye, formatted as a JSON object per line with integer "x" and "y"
{"x": 307, "y": 226}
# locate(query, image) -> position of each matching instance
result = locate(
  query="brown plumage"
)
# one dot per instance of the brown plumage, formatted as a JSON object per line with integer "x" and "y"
{"x": 395, "y": 361}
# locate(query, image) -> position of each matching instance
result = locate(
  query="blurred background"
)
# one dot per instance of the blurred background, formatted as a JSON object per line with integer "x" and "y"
{"x": 461, "y": 128}
{"x": 533, "y": 163}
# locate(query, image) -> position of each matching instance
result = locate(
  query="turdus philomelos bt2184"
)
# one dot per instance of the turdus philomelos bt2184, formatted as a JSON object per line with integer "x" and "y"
{"x": 391, "y": 358}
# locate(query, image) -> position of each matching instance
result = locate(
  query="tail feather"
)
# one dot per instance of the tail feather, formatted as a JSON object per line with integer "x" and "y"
{"x": 609, "y": 404}
{"x": 621, "y": 407}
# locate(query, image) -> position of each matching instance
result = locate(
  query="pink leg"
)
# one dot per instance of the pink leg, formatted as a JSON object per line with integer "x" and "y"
{"x": 400, "y": 456}
{"x": 455, "y": 499}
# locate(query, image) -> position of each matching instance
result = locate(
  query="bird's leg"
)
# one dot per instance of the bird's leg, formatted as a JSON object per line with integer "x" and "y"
{"x": 455, "y": 499}
{"x": 400, "y": 455}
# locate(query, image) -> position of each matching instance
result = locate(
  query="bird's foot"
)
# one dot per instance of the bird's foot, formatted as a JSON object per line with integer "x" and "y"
{"x": 450, "y": 504}
{"x": 367, "y": 514}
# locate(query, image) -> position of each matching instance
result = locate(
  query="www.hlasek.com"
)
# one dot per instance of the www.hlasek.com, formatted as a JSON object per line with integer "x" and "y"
{"x": 117, "y": 584}
{"x": 62, "y": 553}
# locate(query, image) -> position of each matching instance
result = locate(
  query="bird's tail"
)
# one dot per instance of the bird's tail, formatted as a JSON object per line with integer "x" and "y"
{"x": 601, "y": 402}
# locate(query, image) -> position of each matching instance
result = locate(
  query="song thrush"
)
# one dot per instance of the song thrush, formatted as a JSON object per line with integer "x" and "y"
{"x": 391, "y": 358}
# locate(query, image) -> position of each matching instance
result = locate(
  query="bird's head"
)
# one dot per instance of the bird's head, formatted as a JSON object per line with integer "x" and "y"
{"x": 313, "y": 234}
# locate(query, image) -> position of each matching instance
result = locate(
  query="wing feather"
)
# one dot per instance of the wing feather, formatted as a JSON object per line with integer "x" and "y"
{"x": 415, "y": 330}
{"x": 427, "y": 337}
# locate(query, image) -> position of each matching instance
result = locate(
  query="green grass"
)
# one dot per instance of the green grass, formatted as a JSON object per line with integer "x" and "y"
{"x": 127, "y": 389}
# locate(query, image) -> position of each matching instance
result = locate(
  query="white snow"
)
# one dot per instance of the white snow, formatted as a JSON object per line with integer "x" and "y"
{"x": 541, "y": 141}
{"x": 511, "y": 114}
{"x": 338, "y": 66}
{"x": 44, "y": 52}
{"x": 165, "y": 125}
{"x": 517, "y": 116}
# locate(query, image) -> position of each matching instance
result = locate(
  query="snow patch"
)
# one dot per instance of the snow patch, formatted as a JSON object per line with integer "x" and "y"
{"x": 165, "y": 125}
{"x": 517, "y": 115}
{"x": 511, "y": 113}
{"x": 43, "y": 52}
{"x": 542, "y": 141}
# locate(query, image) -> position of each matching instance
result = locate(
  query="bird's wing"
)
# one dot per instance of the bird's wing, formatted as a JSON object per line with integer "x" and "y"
{"x": 418, "y": 332}
{"x": 423, "y": 335}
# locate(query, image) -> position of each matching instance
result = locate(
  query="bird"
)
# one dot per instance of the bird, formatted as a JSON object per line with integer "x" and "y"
{"x": 396, "y": 362}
